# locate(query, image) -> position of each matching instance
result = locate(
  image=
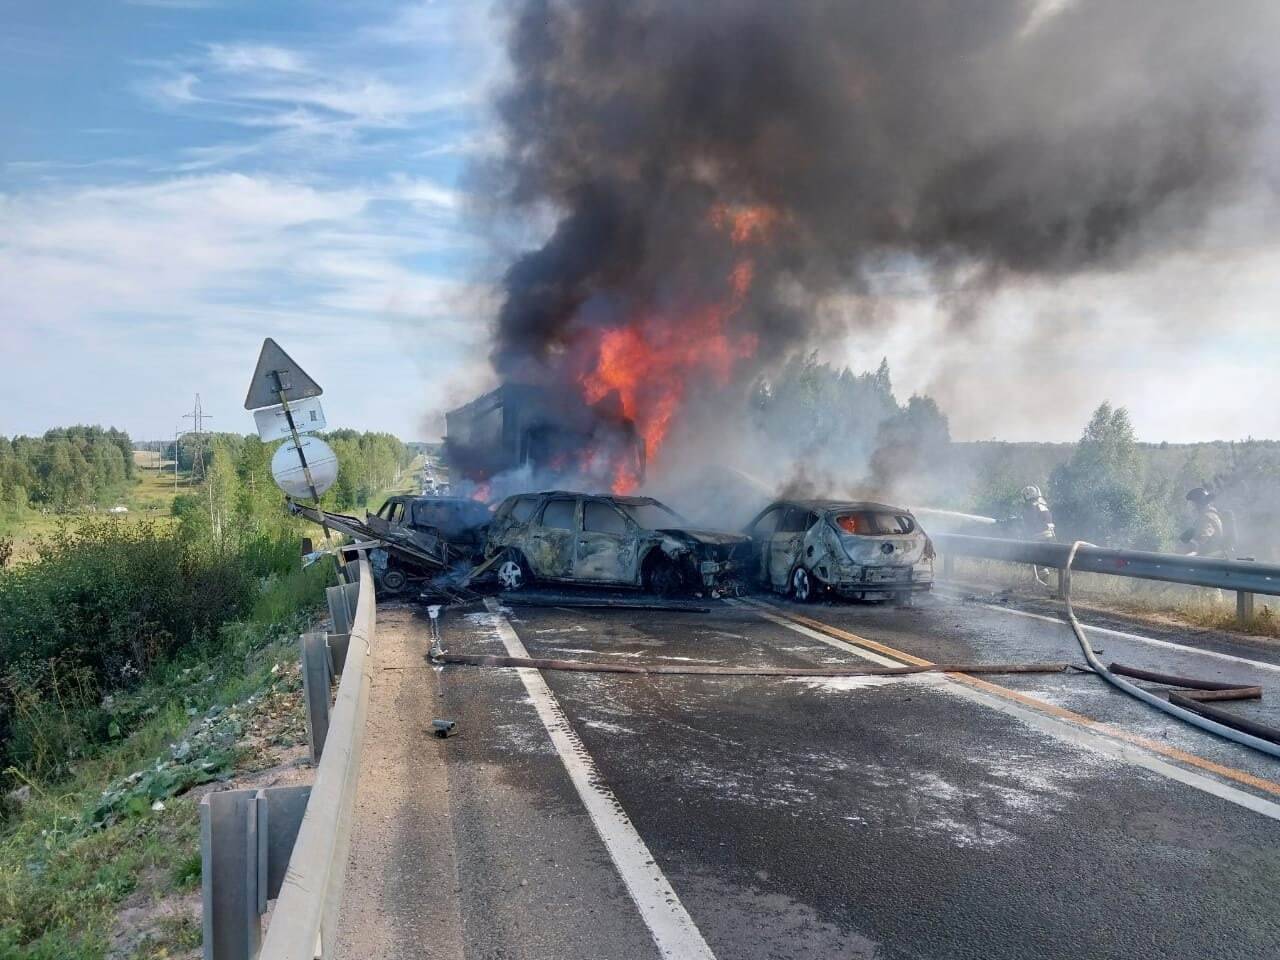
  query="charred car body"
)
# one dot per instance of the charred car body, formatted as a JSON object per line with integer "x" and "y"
{"x": 857, "y": 549}
{"x": 616, "y": 541}
{"x": 424, "y": 536}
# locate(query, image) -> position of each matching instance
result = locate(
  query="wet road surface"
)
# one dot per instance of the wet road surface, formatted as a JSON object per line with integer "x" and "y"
{"x": 618, "y": 816}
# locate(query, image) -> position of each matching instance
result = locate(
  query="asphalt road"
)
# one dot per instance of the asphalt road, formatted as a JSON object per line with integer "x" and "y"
{"x": 614, "y": 816}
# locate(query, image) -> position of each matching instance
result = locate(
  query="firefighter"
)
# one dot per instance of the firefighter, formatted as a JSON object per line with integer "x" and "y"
{"x": 1037, "y": 524}
{"x": 1207, "y": 536}
{"x": 1033, "y": 522}
{"x": 1036, "y": 521}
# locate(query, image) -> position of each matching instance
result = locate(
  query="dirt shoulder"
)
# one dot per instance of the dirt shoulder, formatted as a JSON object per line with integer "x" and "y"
{"x": 401, "y": 895}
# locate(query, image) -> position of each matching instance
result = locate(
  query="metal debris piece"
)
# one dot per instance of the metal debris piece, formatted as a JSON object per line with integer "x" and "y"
{"x": 444, "y": 728}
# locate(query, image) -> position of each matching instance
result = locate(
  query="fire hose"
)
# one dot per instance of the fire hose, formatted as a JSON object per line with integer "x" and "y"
{"x": 701, "y": 669}
{"x": 1186, "y": 705}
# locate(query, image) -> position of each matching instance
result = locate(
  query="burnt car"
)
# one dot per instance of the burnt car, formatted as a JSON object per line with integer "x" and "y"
{"x": 854, "y": 548}
{"x": 425, "y": 535}
{"x": 587, "y": 539}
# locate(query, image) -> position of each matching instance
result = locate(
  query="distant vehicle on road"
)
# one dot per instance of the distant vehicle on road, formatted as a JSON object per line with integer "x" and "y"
{"x": 854, "y": 548}
{"x": 585, "y": 539}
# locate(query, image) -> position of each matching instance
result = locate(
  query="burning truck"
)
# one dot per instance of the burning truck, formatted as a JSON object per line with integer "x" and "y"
{"x": 520, "y": 437}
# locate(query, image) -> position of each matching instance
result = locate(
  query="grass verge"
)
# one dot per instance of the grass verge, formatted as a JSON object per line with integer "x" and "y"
{"x": 1165, "y": 603}
{"x": 88, "y": 873}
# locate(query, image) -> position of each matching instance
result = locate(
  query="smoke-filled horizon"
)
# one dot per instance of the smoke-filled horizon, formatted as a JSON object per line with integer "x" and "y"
{"x": 719, "y": 171}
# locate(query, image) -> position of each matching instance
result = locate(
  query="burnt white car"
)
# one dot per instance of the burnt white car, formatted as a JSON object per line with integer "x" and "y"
{"x": 854, "y": 548}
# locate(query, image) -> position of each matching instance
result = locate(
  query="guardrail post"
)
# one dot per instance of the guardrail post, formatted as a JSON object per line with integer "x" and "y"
{"x": 340, "y": 608}
{"x": 338, "y": 644}
{"x": 281, "y": 809}
{"x": 246, "y": 839}
{"x": 229, "y": 861}
{"x": 315, "y": 690}
{"x": 1244, "y": 606}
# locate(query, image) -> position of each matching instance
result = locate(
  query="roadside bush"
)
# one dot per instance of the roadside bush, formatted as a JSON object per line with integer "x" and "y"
{"x": 100, "y": 606}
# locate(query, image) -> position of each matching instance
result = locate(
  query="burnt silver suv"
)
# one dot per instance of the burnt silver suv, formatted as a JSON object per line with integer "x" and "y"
{"x": 602, "y": 540}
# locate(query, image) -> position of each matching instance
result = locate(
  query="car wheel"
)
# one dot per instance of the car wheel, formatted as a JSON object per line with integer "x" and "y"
{"x": 511, "y": 573}
{"x": 803, "y": 587}
{"x": 664, "y": 579}
{"x": 393, "y": 581}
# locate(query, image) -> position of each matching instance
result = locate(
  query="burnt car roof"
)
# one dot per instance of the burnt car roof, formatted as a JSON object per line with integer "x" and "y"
{"x": 826, "y": 505}
{"x": 578, "y": 493}
{"x": 427, "y": 498}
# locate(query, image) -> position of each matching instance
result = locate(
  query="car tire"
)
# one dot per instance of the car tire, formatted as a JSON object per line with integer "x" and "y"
{"x": 393, "y": 581}
{"x": 803, "y": 587}
{"x": 664, "y": 579}
{"x": 512, "y": 573}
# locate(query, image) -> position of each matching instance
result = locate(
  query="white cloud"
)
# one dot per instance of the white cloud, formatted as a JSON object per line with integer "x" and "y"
{"x": 178, "y": 89}
{"x": 426, "y": 193}
{"x": 146, "y": 291}
{"x": 433, "y": 23}
{"x": 255, "y": 58}
{"x": 256, "y": 85}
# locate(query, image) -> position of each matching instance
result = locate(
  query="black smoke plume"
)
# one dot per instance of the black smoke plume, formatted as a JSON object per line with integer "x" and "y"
{"x": 956, "y": 143}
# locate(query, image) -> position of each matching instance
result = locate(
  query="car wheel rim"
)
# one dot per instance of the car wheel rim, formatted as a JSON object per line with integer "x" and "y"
{"x": 510, "y": 575}
{"x": 801, "y": 583}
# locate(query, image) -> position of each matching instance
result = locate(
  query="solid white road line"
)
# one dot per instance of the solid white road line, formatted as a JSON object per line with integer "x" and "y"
{"x": 1167, "y": 644}
{"x": 673, "y": 930}
{"x": 1058, "y": 728}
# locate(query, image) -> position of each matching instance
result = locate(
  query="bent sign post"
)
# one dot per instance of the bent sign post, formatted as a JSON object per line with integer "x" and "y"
{"x": 277, "y": 379}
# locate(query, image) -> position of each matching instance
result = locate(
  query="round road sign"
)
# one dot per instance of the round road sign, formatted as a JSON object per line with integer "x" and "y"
{"x": 286, "y": 467}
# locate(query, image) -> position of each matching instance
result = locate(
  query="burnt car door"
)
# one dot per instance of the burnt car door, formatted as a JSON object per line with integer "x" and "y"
{"x": 785, "y": 545}
{"x": 511, "y": 515}
{"x": 608, "y": 546}
{"x": 549, "y": 541}
{"x": 761, "y": 533}
{"x": 389, "y": 514}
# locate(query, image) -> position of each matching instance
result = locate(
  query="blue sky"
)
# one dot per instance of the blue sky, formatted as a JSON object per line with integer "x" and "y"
{"x": 180, "y": 178}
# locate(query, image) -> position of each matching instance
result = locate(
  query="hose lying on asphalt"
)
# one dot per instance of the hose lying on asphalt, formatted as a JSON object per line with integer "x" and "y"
{"x": 579, "y": 603}
{"x": 1184, "y": 705}
{"x": 585, "y": 666}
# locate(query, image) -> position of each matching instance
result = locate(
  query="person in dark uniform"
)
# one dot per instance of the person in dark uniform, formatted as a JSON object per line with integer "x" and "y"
{"x": 1207, "y": 536}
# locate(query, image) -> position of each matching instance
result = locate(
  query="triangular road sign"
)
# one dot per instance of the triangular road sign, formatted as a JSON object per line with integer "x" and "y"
{"x": 263, "y": 391}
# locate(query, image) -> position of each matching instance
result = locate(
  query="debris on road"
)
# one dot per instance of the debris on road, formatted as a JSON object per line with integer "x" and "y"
{"x": 1184, "y": 704}
{"x": 444, "y": 728}
{"x": 1194, "y": 693}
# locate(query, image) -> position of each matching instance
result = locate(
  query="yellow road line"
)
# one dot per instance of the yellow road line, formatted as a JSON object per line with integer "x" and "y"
{"x": 1172, "y": 753}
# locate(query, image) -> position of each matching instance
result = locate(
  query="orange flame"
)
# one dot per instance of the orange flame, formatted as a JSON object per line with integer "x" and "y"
{"x": 650, "y": 361}
{"x": 744, "y": 224}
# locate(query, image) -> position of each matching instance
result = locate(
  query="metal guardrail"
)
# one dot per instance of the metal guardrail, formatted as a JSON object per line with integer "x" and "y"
{"x": 1245, "y": 577}
{"x": 290, "y": 843}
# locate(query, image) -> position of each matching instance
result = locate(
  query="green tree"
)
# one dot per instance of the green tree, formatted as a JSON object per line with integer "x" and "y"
{"x": 1099, "y": 495}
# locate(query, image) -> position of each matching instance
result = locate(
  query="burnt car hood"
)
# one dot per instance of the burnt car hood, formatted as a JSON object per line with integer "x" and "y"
{"x": 709, "y": 538}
